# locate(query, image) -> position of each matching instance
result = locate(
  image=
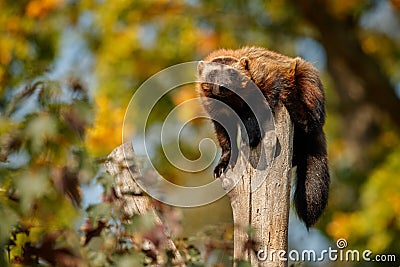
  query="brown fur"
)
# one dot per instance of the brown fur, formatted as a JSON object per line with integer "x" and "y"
{"x": 296, "y": 84}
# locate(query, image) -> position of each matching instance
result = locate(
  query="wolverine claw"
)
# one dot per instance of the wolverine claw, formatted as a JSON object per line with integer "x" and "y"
{"x": 222, "y": 167}
{"x": 219, "y": 170}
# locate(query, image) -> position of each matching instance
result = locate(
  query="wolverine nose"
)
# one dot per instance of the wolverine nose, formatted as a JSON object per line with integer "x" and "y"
{"x": 221, "y": 90}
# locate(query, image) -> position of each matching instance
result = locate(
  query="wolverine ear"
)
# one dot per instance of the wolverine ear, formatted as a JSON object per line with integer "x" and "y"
{"x": 244, "y": 61}
{"x": 293, "y": 66}
{"x": 200, "y": 67}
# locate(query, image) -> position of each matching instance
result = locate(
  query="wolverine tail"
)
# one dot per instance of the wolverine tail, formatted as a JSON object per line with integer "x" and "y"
{"x": 312, "y": 187}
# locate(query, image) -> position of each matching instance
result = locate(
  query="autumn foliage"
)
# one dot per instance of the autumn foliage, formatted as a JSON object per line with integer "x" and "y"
{"x": 69, "y": 68}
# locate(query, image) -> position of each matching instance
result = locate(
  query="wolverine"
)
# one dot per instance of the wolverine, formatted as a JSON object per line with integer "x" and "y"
{"x": 225, "y": 76}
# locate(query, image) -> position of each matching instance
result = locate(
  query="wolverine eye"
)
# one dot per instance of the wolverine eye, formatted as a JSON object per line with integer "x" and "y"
{"x": 212, "y": 75}
{"x": 232, "y": 72}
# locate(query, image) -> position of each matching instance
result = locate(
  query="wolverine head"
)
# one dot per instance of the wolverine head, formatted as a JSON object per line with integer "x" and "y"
{"x": 222, "y": 76}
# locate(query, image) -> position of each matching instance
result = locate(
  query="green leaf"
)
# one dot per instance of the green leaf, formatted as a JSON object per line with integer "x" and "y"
{"x": 9, "y": 218}
{"x": 136, "y": 259}
{"x": 32, "y": 184}
{"x": 243, "y": 263}
{"x": 140, "y": 223}
{"x": 99, "y": 211}
{"x": 39, "y": 129}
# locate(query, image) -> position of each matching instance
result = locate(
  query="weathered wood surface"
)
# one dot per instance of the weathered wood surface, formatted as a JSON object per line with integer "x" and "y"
{"x": 265, "y": 208}
{"x": 131, "y": 199}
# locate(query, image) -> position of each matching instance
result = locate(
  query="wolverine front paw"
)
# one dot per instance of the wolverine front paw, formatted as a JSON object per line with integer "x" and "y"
{"x": 220, "y": 169}
{"x": 222, "y": 165}
{"x": 226, "y": 161}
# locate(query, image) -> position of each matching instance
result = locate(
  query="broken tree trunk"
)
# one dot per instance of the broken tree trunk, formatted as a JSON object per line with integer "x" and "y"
{"x": 261, "y": 213}
{"x": 132, "y": 200}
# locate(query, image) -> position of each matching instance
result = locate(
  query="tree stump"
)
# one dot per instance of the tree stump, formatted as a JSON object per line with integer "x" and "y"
{"x": 263, "y": 207}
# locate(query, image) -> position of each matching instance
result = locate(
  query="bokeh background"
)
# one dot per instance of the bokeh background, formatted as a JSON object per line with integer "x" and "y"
{"x": 68, "y": 69}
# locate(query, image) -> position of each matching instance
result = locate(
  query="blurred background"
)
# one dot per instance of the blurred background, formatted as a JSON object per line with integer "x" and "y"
{"x": 69, "y": 68}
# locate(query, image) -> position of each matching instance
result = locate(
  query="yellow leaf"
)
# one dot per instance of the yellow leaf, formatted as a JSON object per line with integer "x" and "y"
{"x": 337, "y": 228}
{"x": 106, "y": 132}
{"x": 40, "y": 8}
